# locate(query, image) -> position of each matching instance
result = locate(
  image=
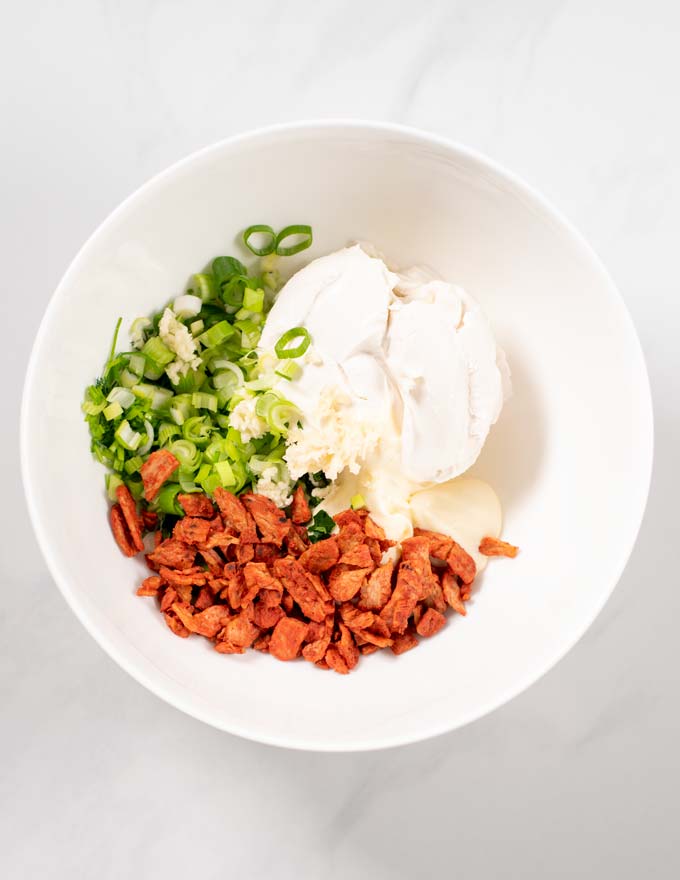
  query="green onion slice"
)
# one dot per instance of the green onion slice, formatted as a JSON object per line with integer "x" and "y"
{"x": 299, "y": 231}
{"x": 283, "y": 347}
{"x": 260, "y": 229}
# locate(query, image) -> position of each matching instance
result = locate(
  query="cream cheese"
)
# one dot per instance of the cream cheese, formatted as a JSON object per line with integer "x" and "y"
{"x": 398, "y": 397}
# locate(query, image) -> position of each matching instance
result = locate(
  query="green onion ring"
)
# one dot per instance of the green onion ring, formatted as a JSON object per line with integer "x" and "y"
{"x": 286, "y": 232}
{"x": 294, "y": 333}
{"x": 262, "y": 229}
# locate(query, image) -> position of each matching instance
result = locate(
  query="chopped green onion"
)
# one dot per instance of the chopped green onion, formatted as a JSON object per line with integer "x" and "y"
{"x": 181, "y": 409}
{"x": 122, "y": 396}
{"x": 250, "y": 333}
{"x": 197, "y": 327}
{"x": 223, "y": 468}
{"x": 150, "y": 434}
{"x": 186, "y": 454}
{"x": 187, "y": 305}
{"x": 229, "y": 375}
{"x": 203, "y": 400}
{"x": 152, "y": 370}
{"x": 225, "y": 268}
{"x": 93, "y": 409}
{"x": 187, "y": 484}
{"x": 166, "y": 432}
{"x": 112, "y": 352}
{"x": 216, "y": 335}
{"x": 288, "y": 370}
{"x": 167, "y": 499}
{"x": 198, "y": 430}
{"x": 282, "y": 416}
{"x": 155, "y": 350}
{"x": 211, "y": 483}
{"x": 253, "y": 300}
{"x": 112, "y": 481}
{"x": 293, "y": 231}
{"x": 137, "y": 331}
{"x": 126, "y": 436}
{"x": 132, "y": 465}
{"x": 283, "y": 351}
{"x": 265, "y": 402}
{"x": 205, "y": 286}
{"x": 357, "y": 502}
{"x": 261, "y": 230}
{"x": 232, "y": 292}
{"x": 189, "y": 382}
{"x": 112, "y": 411}
{"x": 136, "y": 363}
{"x": 128, "y": 379}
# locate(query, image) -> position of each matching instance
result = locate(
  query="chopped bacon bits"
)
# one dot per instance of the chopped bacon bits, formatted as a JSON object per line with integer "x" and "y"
{"x": 158, "y": 467}
{"x": 249, "y": 577}
{"x": 496, "y": 547}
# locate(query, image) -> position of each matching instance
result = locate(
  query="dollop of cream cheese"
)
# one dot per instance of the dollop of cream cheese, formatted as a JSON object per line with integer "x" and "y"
{"x": 398, "y": 393}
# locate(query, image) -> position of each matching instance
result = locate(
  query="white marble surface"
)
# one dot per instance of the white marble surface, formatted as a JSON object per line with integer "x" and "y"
{"x": 578, "y": 776}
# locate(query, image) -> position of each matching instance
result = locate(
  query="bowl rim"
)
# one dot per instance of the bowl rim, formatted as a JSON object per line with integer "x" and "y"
{"x": 357, "y": 126}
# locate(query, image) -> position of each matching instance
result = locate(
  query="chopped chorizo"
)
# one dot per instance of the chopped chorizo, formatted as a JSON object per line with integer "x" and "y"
{"x": 271, "y": 522}
{"x": 430, "y": 623}
{"x": 132, "y": 520}
{"x": 403, "y": 643}
{"x": 158, "y": 467}
{"x": 196, "y": 504}
{"x": 173, "y": 554}
{"x": 299, "y": 509}
{"x": 496, "y": 547}
{"x": 287, "y": 638}
{"x": 461, "y": 563}
{"x": 150, "y": 586}
{"x": 376, "y": 591}
{"x": 321, "y": 556}
{"x": 191, "y": 530}
{"x": 344, "y": 584}
{"x": 121, "y": 532}
{"x": 235, "y": 516}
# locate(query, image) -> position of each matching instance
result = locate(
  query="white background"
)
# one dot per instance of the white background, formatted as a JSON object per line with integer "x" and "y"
{"x": 576, "y": 777}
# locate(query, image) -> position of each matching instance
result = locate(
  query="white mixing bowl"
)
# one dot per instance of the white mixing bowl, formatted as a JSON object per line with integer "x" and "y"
{"x": 570, "y": 457}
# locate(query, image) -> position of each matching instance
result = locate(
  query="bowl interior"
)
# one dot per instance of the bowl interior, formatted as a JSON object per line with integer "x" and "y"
{"x": 570, "y": 457}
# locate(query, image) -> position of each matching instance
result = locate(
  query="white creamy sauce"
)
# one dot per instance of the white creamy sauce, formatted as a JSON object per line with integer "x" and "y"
{"x": 397, "y": 394}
